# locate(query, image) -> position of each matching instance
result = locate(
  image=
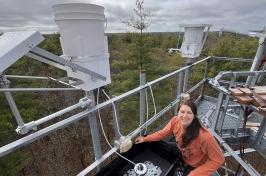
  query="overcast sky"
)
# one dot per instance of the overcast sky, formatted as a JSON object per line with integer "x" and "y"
{"x": 237, "y": 15}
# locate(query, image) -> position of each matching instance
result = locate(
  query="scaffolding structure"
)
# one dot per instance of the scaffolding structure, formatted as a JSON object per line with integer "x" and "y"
{"x": 221, "y": 114}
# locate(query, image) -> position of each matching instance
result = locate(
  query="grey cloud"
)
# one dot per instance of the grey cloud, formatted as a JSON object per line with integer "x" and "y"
{"x": 240, "y": 15}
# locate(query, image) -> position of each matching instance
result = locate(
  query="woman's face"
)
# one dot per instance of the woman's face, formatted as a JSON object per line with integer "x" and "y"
{"x": 186, "y": 115}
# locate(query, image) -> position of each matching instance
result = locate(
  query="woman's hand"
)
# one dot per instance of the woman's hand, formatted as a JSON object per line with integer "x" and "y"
{"x": 139, "y": 140}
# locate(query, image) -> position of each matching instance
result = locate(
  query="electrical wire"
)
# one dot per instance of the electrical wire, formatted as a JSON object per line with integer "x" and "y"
{"x": 147, "y": 107}
{"x": 153, "y": 100}
{"x": 104, "y": 134}
{"x": 116, "y": 119}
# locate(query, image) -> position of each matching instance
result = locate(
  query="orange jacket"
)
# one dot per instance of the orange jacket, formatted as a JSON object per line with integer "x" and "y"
{"x": 203, "y": 153}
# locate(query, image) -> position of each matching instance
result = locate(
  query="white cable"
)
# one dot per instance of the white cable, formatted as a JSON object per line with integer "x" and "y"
{"x": 104, "y": 134}
{"x": 116, "y": 119}
{"x": 147, "y": 110}
{"x": 155, "y": 111}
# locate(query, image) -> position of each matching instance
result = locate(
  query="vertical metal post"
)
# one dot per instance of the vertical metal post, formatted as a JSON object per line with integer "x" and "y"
{"x": 116, "y": 117}
{"x": 207, "y": 67}
{"x": 142, "y": 99}
{"x": 94, "y": 129}
{"x": 262, "y": 76}
{"x": 257, "y": 58}
{"x": 217, "y": 111}
{"x": 223, "y": 112}
{"x": 239, "y": 120}
{"x": 261, "y": 132}
{"x": 180, "y": 83}
{"x": 179, "y": 87}
{"x": 189, "y": 61}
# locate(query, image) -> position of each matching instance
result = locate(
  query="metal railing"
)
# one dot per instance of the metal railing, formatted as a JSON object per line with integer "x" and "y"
{"x": 4, "y": 150}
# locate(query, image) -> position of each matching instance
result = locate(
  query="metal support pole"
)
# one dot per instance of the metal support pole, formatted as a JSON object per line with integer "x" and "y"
{"x": 239, "y": 120}
{"x": 4, "y": 83}
{"x": 142, "y": 99}
{"x": 260, "y": 133}
{"x": 257, "y": 58}
{"x": 14, "y": 108}
{"x": 207, "y": 67}
{"x": 223, "y": 112}
{"x": 179, "y": 88}
{"x": 217, "y": 111}
{"x": 180, "y": 83}
{"x": 94, "y": 129}
{"x": 116, "y": 118}
{"x": 189, "y": 61}
{"x": 262, "y": 76}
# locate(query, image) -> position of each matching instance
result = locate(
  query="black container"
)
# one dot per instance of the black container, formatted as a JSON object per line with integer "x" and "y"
{"x": 159, "y": 153}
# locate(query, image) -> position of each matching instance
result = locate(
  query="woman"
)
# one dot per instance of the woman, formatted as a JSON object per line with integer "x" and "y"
{"x": 198, "y": 147}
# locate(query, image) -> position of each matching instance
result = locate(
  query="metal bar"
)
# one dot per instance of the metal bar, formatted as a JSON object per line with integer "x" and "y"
{"x": 41, "y": 59}
{"x": 42, "y": 78}
{"x": 94, "y": 128}
{"x": 35, "y": 89}
{"x": 233, "y": 154}
{"x": 26, "y": 77}
{"x": 257, "y": 58}
{"x": 196, "y": 86}
{"x": 239, "y": 120}
{"x": 260, "y": 133}
{"x": 181, "y": 69}
{"x": 215, "y": 81}
{"x": 205, "y": 36}
{"x": 217, "y": 111}
{"x": 52, "y": 57}
{"x": 238, "y": 74}
{"x": 261, "y": 76}
{"x": 97, "y": 162}
{"x": 207, "y": 67}
{"x": 247, "y": 150}
{"x": 232, "y": 59}
{"x": 4, "y": 150}
{"x": 224, "y": 108}
{"x": 188, "y": 64}
{"x": 142, "y": 99}
{"x": 228, "y": 82}
{"x": 14, "y": 108}
{"x": 180, "y": 83}
{"x": 179, "y": 87}
{"x": 54, "y": 115}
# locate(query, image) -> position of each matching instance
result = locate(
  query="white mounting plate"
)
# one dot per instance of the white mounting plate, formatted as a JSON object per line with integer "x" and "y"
{"x": 14, "y": 45}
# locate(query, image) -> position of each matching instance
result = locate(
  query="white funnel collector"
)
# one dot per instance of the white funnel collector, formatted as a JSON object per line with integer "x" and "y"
{"x": 81, "y": 27}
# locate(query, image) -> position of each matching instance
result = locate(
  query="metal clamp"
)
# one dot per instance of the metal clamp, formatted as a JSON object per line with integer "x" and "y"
{"x": 84, "y": 102}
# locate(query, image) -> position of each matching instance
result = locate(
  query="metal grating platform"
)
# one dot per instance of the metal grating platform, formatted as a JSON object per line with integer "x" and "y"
{"x": 230, "y": 121}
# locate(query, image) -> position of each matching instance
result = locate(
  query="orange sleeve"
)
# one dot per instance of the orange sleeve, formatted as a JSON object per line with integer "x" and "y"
{"x": 215, "y": 158}
{"x": 159, "y": 135}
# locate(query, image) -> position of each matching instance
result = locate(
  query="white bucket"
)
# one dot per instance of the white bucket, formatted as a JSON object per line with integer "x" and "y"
{"x": 81, "y": 28}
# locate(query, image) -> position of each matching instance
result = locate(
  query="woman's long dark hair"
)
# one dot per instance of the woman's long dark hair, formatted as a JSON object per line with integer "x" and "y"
{"x": 192, "y": 131}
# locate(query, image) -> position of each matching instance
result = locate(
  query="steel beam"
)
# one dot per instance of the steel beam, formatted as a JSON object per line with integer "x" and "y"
{"x": 59, "y": 60}
{"x": 35, "y": 89}
{"x": 142, "y": 99}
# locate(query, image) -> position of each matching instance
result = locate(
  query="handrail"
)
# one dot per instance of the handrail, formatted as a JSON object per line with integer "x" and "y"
{"x": 59, "y": 125}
